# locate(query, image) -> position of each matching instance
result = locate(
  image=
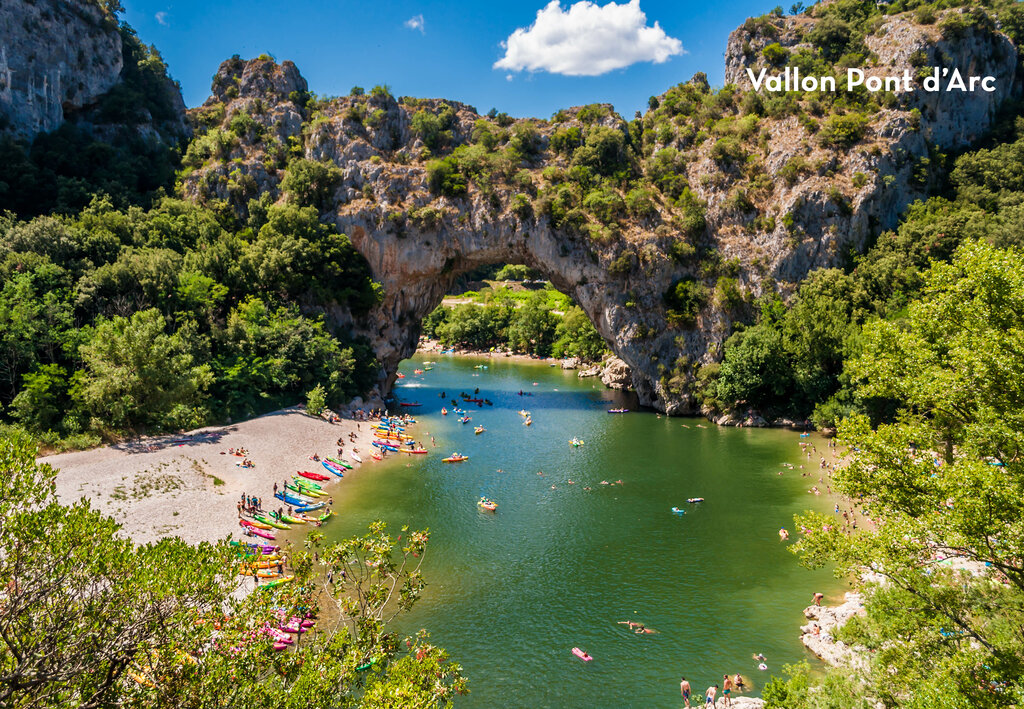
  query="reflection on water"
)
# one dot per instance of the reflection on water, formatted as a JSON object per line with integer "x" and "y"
{"x": 560, "y": 563}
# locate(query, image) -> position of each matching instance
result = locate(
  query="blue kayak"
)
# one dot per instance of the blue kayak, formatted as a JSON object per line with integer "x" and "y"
{"x": 332, "y": 469}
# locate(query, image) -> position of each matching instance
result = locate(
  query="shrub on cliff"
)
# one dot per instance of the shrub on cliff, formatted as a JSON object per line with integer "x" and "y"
{"x": 843, "y": 131}
{"x": 684, "y": 301}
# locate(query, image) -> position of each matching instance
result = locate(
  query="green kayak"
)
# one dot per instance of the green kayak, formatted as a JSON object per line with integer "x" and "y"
{"x": 303, "y": 482}
{"x": 340, "y": 462}
{"x": 292, "y": 520}
{"x": 304, "y": 490}
{"x": 271, "y": 521}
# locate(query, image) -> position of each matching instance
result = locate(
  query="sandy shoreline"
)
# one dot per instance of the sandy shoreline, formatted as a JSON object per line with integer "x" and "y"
{"x": 188, "y": 486}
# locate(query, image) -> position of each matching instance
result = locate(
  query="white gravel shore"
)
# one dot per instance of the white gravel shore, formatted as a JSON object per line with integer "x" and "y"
{"x": 188, "y": 485}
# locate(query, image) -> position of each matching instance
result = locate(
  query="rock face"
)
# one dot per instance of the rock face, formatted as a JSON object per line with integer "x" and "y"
{"x": 817, "y": 636}
{"x": 765, "y": 233}
{"x": 616, "y": 374}
{"x": 56, "y": 57}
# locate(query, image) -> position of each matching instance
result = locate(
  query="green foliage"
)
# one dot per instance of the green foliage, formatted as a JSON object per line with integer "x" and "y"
{"x": 444, "y": 177}
{"x": 603, "y": 151}
{"x": 684, "y": 301}
{"x": 434, "y": 129}
{"x": 171, "y": 614}
{"x": 843, "y": 131}
{"x": 775, "y": 54}
{"x": 309, "y": 183}
{"x": 941, "y": 481}
{"x": 575, "y": 336}
{"x": 137, "y": 375}
{"x": 316, "y": 400}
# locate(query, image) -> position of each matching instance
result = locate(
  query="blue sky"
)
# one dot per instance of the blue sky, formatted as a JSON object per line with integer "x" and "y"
{"x": 451, "y": 53}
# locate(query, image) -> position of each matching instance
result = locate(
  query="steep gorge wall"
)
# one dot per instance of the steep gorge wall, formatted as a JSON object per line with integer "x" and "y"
{"x": 417, "y": 242}
{"x": 56, "y": 56}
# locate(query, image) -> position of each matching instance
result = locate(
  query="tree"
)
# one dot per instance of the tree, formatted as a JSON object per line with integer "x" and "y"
{"x": 945, "y": 480}
{"x": 137, "y": 375}
{"x": 89, "y": 619}
{"x": 316, "y": 400}
{"x": 532, "y": 328}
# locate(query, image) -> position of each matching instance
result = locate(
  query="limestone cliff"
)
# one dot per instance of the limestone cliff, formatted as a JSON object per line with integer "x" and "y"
{"x": 55, "y": 57}
{"x": 60, "y": 59}
{"x": 662, "y": 229}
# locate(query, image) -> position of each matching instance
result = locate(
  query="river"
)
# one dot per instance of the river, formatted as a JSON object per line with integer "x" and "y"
{"x": 558, "y": 565}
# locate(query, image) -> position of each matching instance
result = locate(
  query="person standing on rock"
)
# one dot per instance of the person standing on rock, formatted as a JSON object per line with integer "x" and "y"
{"x": 727, "y": 690}
{"x": 817, "y": 598}
{"x": 709, "y": 695}
{"x": 684, "y": 689}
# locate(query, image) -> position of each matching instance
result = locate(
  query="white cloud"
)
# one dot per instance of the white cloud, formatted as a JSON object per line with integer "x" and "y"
{"x": 587, "y": 40}
{"x": 161, "y": 18}
{"x": 416, "y": 23}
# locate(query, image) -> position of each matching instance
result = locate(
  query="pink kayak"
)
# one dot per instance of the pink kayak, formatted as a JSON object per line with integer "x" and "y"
{"x": 582, "y": 655}
{"x": 261, "y": 533}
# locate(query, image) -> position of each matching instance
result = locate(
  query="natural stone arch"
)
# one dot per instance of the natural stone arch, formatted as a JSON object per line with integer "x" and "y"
{"x": 418, "y": 269}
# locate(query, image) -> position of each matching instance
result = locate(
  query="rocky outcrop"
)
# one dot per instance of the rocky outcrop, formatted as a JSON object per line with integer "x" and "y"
{"x": 56, "y": 57}
{"x": 804, "y": 203}
{"x": 616, "y": 374}
{"x": 818, "y": 636}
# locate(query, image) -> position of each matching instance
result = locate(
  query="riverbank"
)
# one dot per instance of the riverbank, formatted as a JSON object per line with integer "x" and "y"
{"x": 188, "y": 485}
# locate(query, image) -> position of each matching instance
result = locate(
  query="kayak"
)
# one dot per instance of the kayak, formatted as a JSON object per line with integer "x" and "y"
{"x": 444, "y": 411}
{"x": 254, "y": 548}
{"x": 278, "y": 582}
{"x": 465, "y": 419}
{"x": 260, "y": 533}
{"x": 416, "y": 451}
{"x": 410, "y": 403}
{"x": 310, "y": 507}
{"x": 582, "y": 655}
{"x": 326, "y": 515}
{"x": 678, "y": 511}
{"x": 478, "y": 430}
{"x": 314, "y": 476}
{"x": 618, "y": 411}
{"x": 695, "y": 499}
{"x": 338, "y": 461}
{"x": 384, "y": 445}
{"x": 488, "y": 505}
{"x": 455, "y": 458}
{"x": 356, "y": 458}
{"x": 332, "y": 468}
{"x": 254, "y": 525}
{"x": 309, "y": 492}
{"x": 375, "y": 456}
{"x": 272, "y": 522}
{"x": 305, "y": 483}
{"x": 292, "y": 520}
{"x": 292, "y": 499}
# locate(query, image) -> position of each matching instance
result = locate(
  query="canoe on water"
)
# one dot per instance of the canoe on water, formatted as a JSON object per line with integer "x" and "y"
{"x": 455, "y": 458}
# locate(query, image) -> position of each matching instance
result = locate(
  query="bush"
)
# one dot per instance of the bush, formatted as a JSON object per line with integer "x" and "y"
{"x": 843, "y": 131}
{"x": 684, "y": 301}
{"x": 443, "y": 177}
{"x": 775, "y": 54}
{"x": 316, "y": 400}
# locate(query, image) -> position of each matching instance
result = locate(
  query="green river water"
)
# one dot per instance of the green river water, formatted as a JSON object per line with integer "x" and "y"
{"x": 511, "y": 593}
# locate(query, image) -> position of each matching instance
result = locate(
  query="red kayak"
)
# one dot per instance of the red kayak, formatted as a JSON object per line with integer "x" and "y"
{"x": 251, "y": 529}
{"x": 410, "y": 403}
{"x": 314, "y": 476}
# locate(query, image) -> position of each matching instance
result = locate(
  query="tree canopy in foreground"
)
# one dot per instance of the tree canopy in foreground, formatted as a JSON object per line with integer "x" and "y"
{"x": 89, "y": 619}
{"x": 944, "y": 484}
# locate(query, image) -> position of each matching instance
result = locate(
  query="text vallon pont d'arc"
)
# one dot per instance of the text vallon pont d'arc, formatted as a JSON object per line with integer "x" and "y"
{"x": 940, "y": 79}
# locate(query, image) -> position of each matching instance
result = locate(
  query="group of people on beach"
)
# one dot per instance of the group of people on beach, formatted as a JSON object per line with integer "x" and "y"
{"x": 728, "y": 686}
{"x": 249, "y": 504}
